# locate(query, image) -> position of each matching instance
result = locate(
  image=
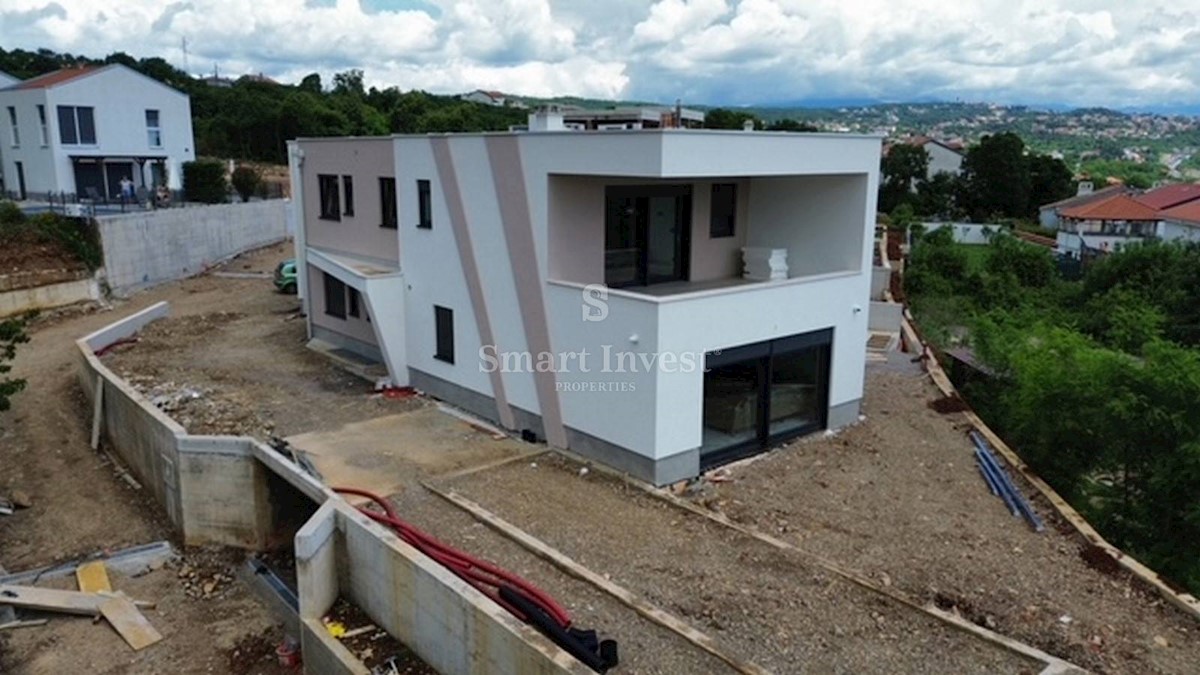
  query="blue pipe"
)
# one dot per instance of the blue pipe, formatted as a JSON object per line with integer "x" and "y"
{"x": 1007, "y": 485}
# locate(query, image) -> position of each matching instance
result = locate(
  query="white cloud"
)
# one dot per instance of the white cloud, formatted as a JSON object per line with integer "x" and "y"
{"x": 1084, "y": 52}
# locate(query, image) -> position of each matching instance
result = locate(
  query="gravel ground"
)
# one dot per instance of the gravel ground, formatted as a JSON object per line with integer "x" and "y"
{"x": 760, "y": 603}
{"x": 644, "y": 647}
{"x": 899, "y": 497}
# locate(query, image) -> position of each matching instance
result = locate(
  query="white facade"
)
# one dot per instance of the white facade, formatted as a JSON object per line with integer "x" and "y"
{"x": 942, "y": 159}
{"x": 138, "y": 128}
{"x": 520, "y": 250}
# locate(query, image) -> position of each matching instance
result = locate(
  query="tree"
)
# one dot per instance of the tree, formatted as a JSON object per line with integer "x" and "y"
{"x": 789, "y": 124}
{"x": 311, "y": 83}
{"x": 936, "y": 196}
{"x": 246, "y": 181}
{"x": 204, "y": 181}
{"x": 12, "y": 333}
{"x": 902, "y": 168}
{"x": 720, "y": 118}
{"x": 1050, "y": 180}
{"x": 995, "y": 178}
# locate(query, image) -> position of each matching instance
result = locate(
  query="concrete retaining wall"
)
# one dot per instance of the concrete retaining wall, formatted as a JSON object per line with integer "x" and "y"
{"x": 966, "y": 233}
{"x": 449, "y": 624}
{"x": 226, "y": 490}
{"x": 143, "y": 249}
{"x": 885, "y": 316}
{"x": 49, "y": 296}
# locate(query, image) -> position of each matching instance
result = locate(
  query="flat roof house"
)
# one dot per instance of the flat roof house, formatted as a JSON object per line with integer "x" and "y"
{"x": 658, "y": 300}
{"x": 81, "y": 130}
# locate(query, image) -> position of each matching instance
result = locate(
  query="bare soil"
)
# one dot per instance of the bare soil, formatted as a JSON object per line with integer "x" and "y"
{"x": 80, "y": 506}
{"x": 899, "y": 498}
{"x": 26, "y": 252}
{"x": 759, "y": 603}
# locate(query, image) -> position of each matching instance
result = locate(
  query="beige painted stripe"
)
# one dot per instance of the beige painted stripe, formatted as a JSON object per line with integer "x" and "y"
{"x": 508, "y": 173}
{"x": 466, "y": 256}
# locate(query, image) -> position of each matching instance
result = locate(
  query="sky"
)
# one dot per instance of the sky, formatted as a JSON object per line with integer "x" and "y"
{"x": 1115, "y": 53}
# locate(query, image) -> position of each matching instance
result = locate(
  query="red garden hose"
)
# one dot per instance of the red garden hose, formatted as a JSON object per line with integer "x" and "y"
{"x": 482, "y": 575}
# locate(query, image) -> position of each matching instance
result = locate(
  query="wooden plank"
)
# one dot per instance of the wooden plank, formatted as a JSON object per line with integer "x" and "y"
{"x": 627, "y": 597}
{"x": 93, "y": 577}
{"x": 23, "y": 624}
{"x": 129, "y": 622}
{"x": 51, "y": 600}
{"x": 97, "y": 411}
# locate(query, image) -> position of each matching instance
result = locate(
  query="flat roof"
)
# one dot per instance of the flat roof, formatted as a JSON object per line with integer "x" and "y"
{"x": 604, "y": 134}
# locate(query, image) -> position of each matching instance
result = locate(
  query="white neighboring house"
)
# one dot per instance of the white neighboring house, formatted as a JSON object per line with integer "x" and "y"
{"x": 661, "y": 301}
{"x": 944, "y": 156}
{"x": 495, "y": 98}
{"x": 6, "y": 80}
{"x": 81, "y": 130}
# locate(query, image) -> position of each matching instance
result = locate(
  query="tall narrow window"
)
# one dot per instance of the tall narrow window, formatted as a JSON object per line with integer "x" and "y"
{"x": 355, "y": 299}
{"x": 153, "y": 130}
{"x": 444, "y": 320}
{"x": 327, "y": 188}
{"x": 424, "y": 205}
{"x": 387, "y": 202}
{"x": 335, "y": 297}
{"x": 68, "y": 134}
{"x": 723, "y": 214}
{"x": 87, "y": 125}
{"x": 348, "y": 195}
{"x": 45, "y": 134}
{"x": 12, "y": 123}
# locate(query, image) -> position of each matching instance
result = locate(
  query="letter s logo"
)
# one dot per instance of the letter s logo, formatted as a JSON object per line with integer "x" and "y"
{"x": 595, "y": 302}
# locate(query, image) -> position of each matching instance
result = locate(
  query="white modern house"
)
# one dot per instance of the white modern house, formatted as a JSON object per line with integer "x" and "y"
{"x": 659, "y": 300}
{"x": 82, "y": 130}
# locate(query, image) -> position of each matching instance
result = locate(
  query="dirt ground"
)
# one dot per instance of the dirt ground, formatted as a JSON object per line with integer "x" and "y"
{"x": 80, "y": 507}
{"x": 899, "y": 498}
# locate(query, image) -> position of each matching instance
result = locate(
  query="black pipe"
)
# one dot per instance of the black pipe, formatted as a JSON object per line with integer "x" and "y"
{"x": 599, "y": 655}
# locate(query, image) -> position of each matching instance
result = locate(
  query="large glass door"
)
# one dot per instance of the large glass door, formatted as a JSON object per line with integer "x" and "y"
{"x": 762, "y": 394}
{"x": 646, "y": 234}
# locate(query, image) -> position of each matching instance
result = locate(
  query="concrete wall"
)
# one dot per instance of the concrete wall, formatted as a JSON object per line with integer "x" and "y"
{"x": 48, "y": 296}
{"x": 885, "y": 316}
{"x": 449, "y": 624}
{"x": 143, "y": 249}
{"x": 818, "y": 219}
{"x": 225, "y": 490}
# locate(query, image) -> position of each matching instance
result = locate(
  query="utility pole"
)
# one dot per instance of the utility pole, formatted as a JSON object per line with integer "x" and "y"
{"x": 185, "y": 57}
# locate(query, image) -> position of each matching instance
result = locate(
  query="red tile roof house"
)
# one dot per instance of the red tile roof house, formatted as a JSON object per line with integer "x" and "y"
{"x": 1048, "y": 214}
{"x": 1170, "y": 212}
{"x": 82, "y": 130}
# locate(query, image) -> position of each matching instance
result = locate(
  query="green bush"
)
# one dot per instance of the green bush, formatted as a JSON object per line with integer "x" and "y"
{"x": 1031, "y": 266}
{"x": 12, "y": 333}
{"x": 10, "y": 213}
{"x": 204, "y": 181}
{"x": 247, "y": 181}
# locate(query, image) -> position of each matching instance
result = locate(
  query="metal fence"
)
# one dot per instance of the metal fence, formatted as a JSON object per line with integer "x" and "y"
{"x": 72, "y": 204}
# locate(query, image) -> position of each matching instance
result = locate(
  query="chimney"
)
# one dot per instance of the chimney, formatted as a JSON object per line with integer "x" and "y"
{"x": 1085, "y": 188}
{"x": 546, "y": 118}
{"x": 748, "y": 125}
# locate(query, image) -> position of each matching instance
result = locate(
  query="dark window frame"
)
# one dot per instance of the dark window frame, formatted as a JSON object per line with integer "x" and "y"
{"x": 723, "y": 223}
{"x": 424, "y": 204}
{"x": 347, "y": 195}
{"x": 353, "y": 302}
{"x": 636, "y": 199}
{"x": 389, "y": 216}
{"x": 443, "y": 321}
{"x": 328, "y": 198}
{"x": 335, "y": 296}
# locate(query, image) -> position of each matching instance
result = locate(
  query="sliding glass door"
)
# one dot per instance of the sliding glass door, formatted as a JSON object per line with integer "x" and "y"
{"x": 646, "y": 234}
{"x": 759, "y": 395}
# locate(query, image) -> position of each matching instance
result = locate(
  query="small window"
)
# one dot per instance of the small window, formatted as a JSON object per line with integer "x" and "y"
{"x": 723, "y": 212}
{"x": 387, "y": 202}
{"x": 444, "y": 318}
{"x": 12, "y": 122}
{"x": 348, "y": 195}
{"x": 354, "y": 302}
{"x": 424, "y": 205}
{"x": 335, "y": 297}
{"x": 67, "y": 133}
{"x": 153, "y": 130}
{"x": 327, "y": 186}
{"x": 45, "y": 134}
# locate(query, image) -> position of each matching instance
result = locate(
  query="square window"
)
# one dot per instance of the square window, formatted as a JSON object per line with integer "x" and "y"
{"x": 444, "y": 320}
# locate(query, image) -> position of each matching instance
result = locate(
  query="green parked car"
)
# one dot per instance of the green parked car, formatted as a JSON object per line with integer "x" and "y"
{"x": 285, "y": 276}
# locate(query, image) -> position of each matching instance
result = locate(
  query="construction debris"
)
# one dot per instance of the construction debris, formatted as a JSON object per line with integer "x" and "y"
{"x": 93, "y": 577}
{"x": 120, "y": 611}
{"x": 1000, "y": 484}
